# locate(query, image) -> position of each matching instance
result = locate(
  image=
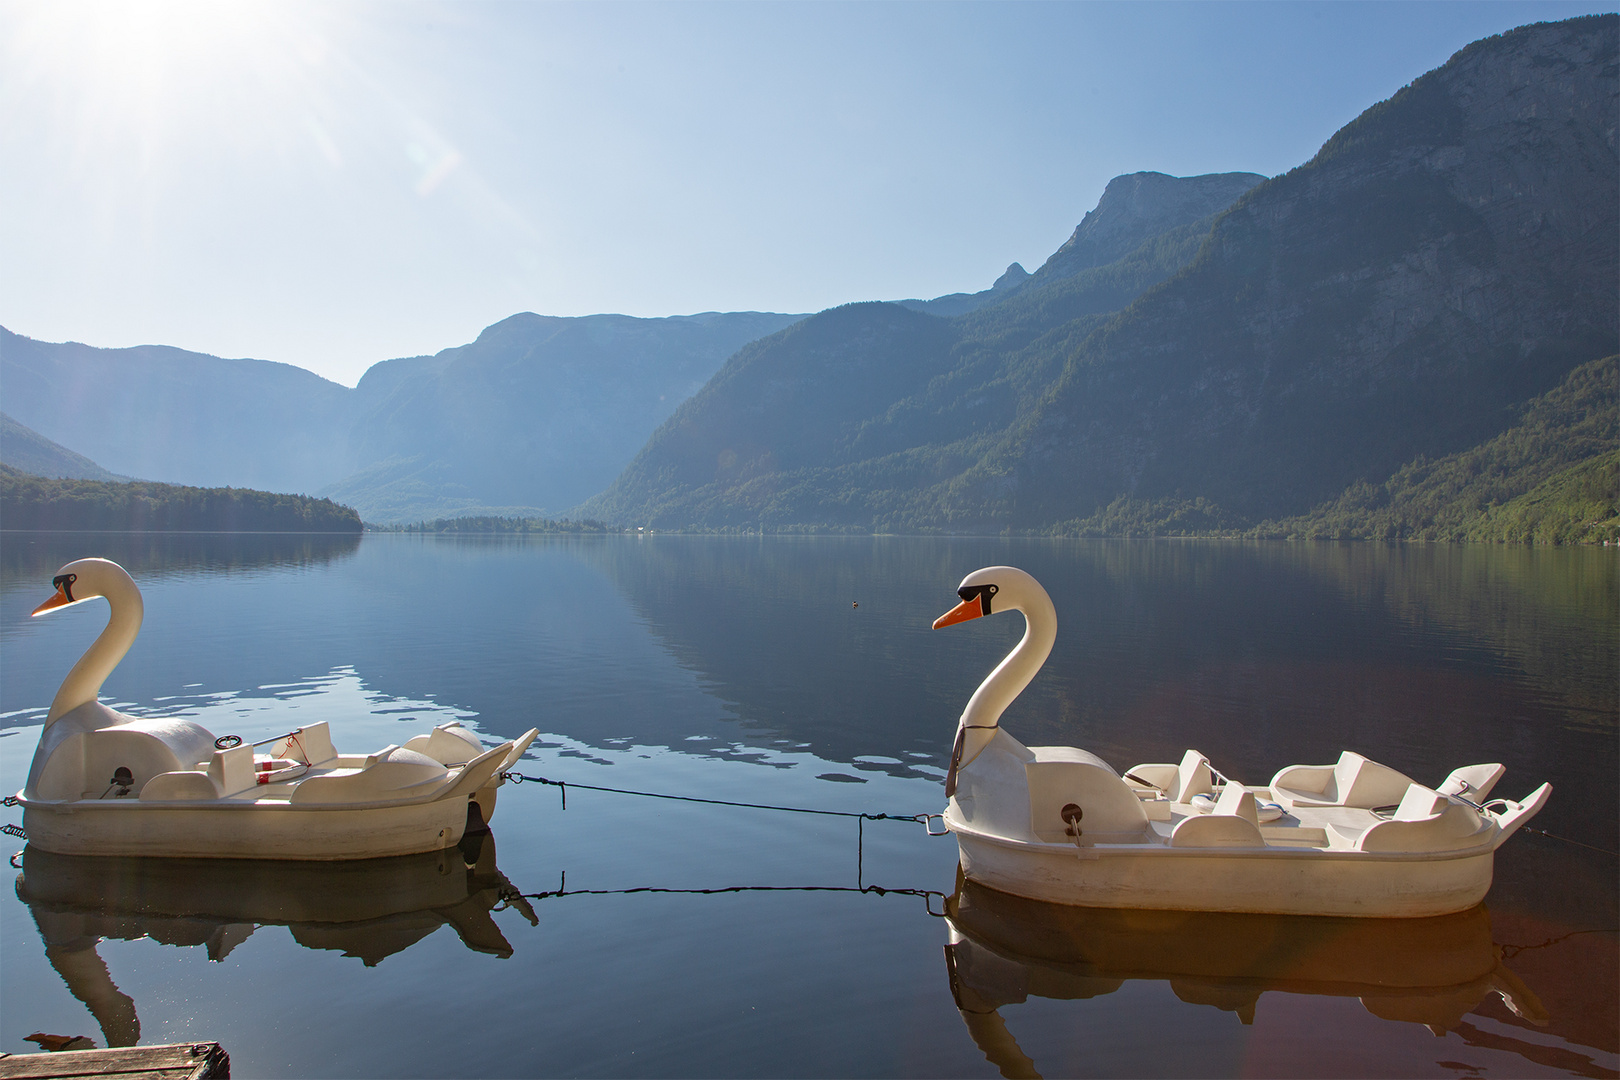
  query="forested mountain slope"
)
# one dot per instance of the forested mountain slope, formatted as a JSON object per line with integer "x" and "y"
{"x": 536, "y": 414}
{"x": 1445, "y": 259}
{"x": 836, "y": 421}
{"x": 28, "y": 451}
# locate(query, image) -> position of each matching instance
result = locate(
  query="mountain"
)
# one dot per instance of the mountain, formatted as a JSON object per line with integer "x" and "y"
{"x": 537, "y": 413}
{"x": 534, "y": 416}
{"x": 1445, "y": 259}
{"x": 1551, "y": 477}
{"x": 961, "y": 303}
{"x": 833, "y": 421}
{"x": 26, "y": 450}
{"x": 1133, "y": 209}
{"x": 1137, "y": 206}
{"x": 180, "y": 416}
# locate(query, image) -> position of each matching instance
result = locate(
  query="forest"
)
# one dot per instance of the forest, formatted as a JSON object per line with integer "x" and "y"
{"x": 34, "y": 503}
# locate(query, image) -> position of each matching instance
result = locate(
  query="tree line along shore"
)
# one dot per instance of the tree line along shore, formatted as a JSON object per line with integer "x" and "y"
{"x": 39, "y": 503}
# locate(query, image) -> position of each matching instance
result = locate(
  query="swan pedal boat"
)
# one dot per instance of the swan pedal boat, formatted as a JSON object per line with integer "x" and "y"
{"x": 1059, "y": 824}
{"x": 105, "y": 783}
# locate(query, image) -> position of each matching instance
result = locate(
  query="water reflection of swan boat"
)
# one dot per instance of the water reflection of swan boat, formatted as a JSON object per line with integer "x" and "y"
{"x": 104, "y": 783}
{"x": 370, "y": 909}
{"x": 1005, "y": 949}
{"x": 1057, "y": 823}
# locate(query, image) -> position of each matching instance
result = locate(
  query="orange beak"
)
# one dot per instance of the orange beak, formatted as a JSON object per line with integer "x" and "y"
{"x": 59, "y": 600}
{"x": 967, "y": 609}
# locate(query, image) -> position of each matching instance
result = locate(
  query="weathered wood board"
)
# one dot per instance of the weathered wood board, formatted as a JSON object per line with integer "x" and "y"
{"x": 180, "y": 1061}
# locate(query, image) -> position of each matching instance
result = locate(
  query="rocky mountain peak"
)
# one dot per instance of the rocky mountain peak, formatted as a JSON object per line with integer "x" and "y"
{"x": 1014, "y": 275}
{"x": 1137, "y": 206}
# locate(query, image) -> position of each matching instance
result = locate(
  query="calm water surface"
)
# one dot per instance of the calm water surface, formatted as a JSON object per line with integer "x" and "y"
{"x": 743, "y": 669}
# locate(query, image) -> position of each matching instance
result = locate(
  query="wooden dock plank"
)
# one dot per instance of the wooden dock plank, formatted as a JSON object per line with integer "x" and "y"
{"x": 177, "y": 1061}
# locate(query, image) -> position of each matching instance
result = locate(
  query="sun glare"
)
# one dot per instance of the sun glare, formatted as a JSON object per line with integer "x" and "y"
{"x": 150, "y": 71}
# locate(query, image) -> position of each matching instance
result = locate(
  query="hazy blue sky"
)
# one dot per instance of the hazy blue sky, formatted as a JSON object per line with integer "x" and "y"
{"x": 335, "y": 184}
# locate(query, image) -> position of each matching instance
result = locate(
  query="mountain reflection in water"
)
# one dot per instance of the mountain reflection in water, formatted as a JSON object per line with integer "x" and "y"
{"x": 369, "y": 909}
{"x": 149, "y": 556}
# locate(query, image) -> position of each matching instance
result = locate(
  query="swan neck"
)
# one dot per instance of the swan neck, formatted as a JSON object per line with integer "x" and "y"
{"x": 83, "y": 683}
{"x": 1003, "y": 685}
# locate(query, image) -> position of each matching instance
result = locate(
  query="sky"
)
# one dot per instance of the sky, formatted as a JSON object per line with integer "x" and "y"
{"x": 335, "y": 184}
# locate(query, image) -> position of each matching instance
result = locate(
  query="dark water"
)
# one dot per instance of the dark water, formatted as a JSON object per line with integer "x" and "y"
{"x": 741, "y": 669}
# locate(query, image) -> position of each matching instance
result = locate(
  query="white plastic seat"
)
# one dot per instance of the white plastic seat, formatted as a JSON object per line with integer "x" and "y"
{"x": 1353, "y": 781}
{"x": 232, "y": 770}
{"x": 1234, "y": 822}
{"x": 1193, "y": 777}
{"x": 1425, "y": 820}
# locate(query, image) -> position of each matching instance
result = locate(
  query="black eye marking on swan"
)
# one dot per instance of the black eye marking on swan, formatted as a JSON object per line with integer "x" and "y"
{"x": 65, "y": 583}
{"x": 983, "y": 592}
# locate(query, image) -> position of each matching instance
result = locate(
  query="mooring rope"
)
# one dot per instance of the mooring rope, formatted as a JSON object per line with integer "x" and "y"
{"x": 1567, "y": 840}
{"x": 562, "y": 890}
{"x": 1510, "y": 951}
{"x": 564, "y": 785}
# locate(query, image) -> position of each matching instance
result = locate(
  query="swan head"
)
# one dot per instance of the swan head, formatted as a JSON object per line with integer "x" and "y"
{"x": 86, "y": 579}
{"x": 995, "y": 589}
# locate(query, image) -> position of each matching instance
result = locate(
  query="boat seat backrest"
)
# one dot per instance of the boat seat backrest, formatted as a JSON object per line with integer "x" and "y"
{"x": 1192, "y": 777}
{"x": 1472, "y": 782}
{"x": 232, "y": 770}
{"x": 1420, "y": 804}
{"x": 1362, "y": 782}
{"x": 313, "y": 743}
{"x": 1425, "y": 820}
{"x": 1238, "y": 801}
{"x": 1216, "y": 830}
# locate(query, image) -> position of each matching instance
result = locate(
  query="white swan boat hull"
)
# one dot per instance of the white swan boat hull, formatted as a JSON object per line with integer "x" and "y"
{"x": 235, "y": 804}
{"x": 1278, "y": 882}
{"x": 245, "y": 830}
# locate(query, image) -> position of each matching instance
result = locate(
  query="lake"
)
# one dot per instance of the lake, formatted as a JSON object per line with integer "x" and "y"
{"x": 801, "y": 671}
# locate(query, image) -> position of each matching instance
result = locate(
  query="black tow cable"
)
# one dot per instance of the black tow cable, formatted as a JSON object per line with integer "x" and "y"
{"x": 562, "y": 889}
{"x": 564, "y": 785}
{"x": 1567, "y": 840}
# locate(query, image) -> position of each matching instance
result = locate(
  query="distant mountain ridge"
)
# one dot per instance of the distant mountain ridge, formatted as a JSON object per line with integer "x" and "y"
{"x": 535, "y": 415}
{"x": 173, "y": 415}
{"x": 1444, "y": 259}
